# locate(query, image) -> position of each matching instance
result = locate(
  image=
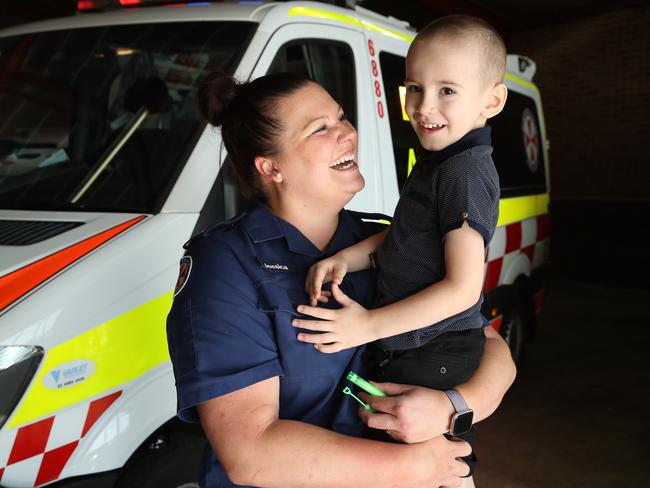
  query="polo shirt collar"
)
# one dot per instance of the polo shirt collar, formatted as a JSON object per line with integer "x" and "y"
{"x": 476, "y": 137}
{"x": 263, "y": 226}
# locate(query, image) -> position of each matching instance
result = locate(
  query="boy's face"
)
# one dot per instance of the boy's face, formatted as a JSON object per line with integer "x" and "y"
{"x": 446, "y": 92}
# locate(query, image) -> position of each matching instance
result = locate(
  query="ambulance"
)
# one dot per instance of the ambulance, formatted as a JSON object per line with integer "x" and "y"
{"x": 105, "y": 172}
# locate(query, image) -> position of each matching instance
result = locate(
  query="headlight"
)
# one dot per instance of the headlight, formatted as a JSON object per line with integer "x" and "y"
{"x": 17, "y": 367}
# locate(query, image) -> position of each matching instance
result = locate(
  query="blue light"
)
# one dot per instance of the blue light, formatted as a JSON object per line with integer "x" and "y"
{"x": 197, "y": 4}
{"x": 251, "y": 2}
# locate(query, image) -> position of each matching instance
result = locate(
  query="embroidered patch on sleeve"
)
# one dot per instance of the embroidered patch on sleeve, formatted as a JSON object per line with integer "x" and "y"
{"x": 183, "y": 273}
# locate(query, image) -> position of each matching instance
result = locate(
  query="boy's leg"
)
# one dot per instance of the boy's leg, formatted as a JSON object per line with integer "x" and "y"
{"x": 443, "y": 363}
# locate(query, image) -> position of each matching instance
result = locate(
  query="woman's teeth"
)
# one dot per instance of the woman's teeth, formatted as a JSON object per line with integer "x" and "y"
{"x": 344, "y": 162}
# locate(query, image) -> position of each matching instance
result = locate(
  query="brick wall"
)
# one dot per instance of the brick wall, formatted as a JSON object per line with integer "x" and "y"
{"x": 594, "y": 76}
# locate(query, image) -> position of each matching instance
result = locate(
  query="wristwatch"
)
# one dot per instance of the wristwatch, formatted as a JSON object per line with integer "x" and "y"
{"x": 461, "y": 421}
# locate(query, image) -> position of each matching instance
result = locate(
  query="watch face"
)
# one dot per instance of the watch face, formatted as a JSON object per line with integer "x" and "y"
{"x": 462, "y": 422}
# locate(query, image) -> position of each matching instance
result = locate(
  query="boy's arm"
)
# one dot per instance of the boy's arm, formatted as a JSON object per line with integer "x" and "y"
{"x": 457, "y": 291}
{"x": 334, "y": 268}
{"x": 353, "y": 325}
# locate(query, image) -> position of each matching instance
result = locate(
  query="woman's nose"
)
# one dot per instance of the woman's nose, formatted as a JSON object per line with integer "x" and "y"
{"x": 346, "y": 132}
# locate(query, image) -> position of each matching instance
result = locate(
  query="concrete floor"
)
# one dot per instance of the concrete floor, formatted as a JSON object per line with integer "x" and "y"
{"x": 577, "y": 415}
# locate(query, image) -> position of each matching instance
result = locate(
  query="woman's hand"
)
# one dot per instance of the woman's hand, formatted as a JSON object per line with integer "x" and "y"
{"x": 438, "y": 462}
{"x": 331, "y": 269}
{"x": 410, "y": 413}
{"x": 347, "y": 327}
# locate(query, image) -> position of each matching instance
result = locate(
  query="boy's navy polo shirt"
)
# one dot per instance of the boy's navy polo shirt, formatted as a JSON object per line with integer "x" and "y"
{"x": 445, "y": 189}
{"x": 230, "y": 324}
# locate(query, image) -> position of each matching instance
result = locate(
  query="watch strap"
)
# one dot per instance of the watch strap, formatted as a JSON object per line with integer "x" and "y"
{"x": 457, "y": 401}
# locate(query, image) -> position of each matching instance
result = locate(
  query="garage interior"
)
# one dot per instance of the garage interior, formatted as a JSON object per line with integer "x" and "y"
{"x": 576, "y": 415}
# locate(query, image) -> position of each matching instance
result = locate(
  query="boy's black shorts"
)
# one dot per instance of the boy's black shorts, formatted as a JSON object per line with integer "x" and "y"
{"x": 442, "y": 363}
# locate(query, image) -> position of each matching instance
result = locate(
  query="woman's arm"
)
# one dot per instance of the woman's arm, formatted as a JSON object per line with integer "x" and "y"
{"x": 414, "y": 413}
{"x": 258, "y": 449}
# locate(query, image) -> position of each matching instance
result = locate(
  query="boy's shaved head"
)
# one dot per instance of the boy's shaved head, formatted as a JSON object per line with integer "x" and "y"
{"x": 475, "y": 32}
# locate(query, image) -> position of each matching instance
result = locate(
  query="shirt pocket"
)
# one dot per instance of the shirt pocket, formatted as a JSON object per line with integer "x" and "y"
{"x": 277, "y": 297}
{"x": 301, "y": 362}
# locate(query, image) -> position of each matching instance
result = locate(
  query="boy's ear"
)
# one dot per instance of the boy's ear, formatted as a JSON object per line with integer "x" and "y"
{"x": 267, "y": 169}
{"x": 496, "y": 100}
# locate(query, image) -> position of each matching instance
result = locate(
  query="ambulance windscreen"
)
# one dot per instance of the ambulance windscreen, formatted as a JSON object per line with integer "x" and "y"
{"x": 103, "y": 118}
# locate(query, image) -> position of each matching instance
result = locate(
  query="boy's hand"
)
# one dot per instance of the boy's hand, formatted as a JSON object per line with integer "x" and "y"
{"x": 410, "y": 413}
{"x": 331, "y": 269}
{"x": 340, "y": 329}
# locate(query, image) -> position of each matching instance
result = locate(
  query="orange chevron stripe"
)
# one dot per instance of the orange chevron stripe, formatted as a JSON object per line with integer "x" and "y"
{"x": 17, "y": 283}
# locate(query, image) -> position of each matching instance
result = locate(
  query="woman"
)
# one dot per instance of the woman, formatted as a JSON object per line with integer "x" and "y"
{"x": 272, "y": 407}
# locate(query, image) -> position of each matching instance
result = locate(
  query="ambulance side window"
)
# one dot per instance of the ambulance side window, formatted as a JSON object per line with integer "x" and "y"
{"x": 405, "y": 142}
{"x": 329, "y": 63}
{"x": 517, "y": 142}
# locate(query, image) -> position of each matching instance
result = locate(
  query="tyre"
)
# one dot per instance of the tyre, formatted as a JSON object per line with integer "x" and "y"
{"x": 513, "y": 330}
{"x": 166, "y": 461}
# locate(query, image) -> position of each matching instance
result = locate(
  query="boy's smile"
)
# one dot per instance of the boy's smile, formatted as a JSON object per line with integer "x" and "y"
{"x": 446, "y": 93}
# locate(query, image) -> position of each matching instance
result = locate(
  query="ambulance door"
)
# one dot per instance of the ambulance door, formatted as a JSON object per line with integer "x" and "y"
{"x": 334, "y": 57}
{"x": 386, "y": 56}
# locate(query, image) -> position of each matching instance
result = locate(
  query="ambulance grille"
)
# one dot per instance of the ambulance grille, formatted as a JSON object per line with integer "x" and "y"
{"x": 25, "y": 232}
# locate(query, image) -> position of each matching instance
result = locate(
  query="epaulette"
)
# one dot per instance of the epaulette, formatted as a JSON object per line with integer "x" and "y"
{"x": 220, "y": 227}
{"x": 377, "y": 218}
{"x": 372, "y": 222}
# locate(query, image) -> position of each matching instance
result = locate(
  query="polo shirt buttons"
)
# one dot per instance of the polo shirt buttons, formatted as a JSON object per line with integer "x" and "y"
{"x": 464, "y": 215}
{"x": 443, "y": 370}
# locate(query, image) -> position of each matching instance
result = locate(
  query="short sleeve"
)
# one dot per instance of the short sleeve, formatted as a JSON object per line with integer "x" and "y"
{"x": 468, "y": 190}
{"x": 219, "y": 339}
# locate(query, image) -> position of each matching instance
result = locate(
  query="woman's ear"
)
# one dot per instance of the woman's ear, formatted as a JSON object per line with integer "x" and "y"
{"x": 267, "y": 169}
{"x": 496, "y": 100}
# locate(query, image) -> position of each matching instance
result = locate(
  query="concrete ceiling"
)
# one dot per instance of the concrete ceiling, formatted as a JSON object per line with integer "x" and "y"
{"x": 507, "y": 15}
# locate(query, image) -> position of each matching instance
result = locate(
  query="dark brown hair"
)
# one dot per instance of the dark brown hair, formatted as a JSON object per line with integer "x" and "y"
{"x": 245, "y": 113}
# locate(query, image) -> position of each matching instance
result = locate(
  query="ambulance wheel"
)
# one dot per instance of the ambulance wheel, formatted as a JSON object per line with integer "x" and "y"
{"x": 171, "y": 461}
{"x": 513, "y": 330}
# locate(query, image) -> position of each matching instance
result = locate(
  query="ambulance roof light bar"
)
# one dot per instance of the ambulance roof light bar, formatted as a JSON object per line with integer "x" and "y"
{"x": 93, "y": 5}
{"x": 98, "y": 5}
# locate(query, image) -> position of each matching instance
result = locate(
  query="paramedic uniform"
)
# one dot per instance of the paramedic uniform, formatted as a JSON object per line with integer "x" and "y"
{"x": 230, "y": 324}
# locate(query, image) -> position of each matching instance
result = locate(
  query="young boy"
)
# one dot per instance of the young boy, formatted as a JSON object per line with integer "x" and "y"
{"x": 430, "y": 261}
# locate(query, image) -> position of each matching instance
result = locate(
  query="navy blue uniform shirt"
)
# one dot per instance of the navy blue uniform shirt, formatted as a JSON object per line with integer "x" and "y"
{"x": 230, "y": 324}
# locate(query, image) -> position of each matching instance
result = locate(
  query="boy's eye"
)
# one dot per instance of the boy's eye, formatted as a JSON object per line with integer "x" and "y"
{"x": 413, "y": 88}
{"x": 320, "y": 129}
{"x": 447, "y": 91}
{"x": 343, "y": 117}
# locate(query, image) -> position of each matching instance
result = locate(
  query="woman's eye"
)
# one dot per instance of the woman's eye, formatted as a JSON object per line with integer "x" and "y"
{"x": 343, "y": 117}
{"x": 320, "y": 129}
{"x": 447, "y": 91}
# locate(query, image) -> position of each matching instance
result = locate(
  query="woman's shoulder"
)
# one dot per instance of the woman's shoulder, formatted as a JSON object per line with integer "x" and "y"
{"x": 219, "y": 247}
{"x": 213, "y": 255}
{"x": 366, "y": 223}
{"x": 217, "y": 235}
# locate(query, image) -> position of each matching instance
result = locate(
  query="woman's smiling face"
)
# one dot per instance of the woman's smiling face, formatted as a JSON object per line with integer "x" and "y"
{"x": 318, "y": 149}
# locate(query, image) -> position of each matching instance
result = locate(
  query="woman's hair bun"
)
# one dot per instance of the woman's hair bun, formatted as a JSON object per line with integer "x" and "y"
{"x": 214, "y": 94}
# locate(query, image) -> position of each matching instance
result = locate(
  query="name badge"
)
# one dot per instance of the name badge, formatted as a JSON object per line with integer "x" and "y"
{"x": 275, "y": 267}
